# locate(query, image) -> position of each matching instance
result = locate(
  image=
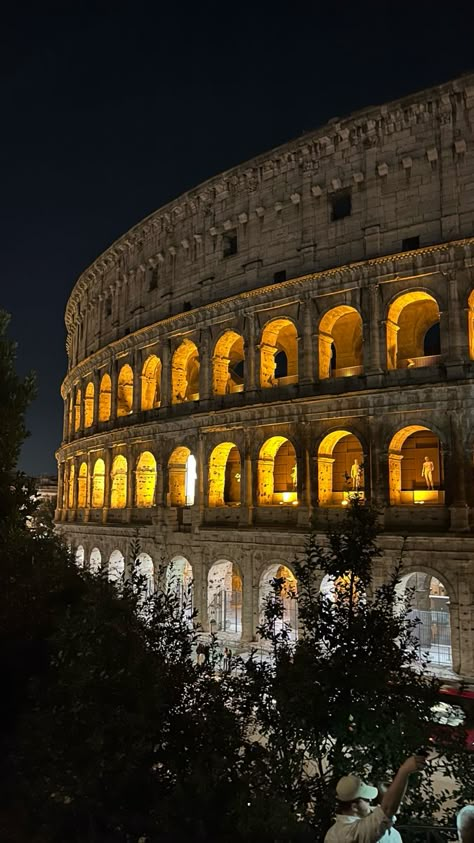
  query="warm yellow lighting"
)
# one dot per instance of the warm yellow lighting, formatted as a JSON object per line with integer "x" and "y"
{"x": 185, "y": 373}
{"x": 89, "y": 405}
{"x": 105, "y": 398}
{"x": 340, "y": 331}
{"x": 77, "y": 410}
{"x": 125, "y": 391}
{"x": 145, "y": 479}
{"x": 344, "y": 502}
{"x": 151, "y": 383}
{"x": 118, "y": 492}
{"x": 98, "y": 484}
{"x": 279, "y": 335}
{"x": 82, "y": 486}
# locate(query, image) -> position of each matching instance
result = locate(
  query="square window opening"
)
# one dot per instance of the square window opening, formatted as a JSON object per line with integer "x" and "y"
{"x": 341, "y": 205}
{"x": 409, "y": 243}
{"x": 229, "y": 244}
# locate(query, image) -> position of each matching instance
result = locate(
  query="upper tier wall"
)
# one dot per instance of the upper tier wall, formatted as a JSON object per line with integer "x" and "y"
{"x": 357, "y": 188}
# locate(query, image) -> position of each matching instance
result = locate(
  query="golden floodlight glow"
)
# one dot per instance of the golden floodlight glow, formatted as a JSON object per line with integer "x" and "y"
{"x": 98, "y": 484}
{"x": 105, "y": 398}
{"x": 340, "y": 341}
{"x": 89, "y": 405}
{"x": 118, "y": 491}
{"x": 145, "y": 479}
{"x": 125, "y": 391}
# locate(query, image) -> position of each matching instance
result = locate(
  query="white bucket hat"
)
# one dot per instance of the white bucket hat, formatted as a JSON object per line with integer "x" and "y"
{"x": 351, "y": 787}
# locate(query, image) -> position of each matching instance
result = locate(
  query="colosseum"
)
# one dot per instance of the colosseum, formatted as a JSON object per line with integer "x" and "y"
{"x": 292, "y": 332}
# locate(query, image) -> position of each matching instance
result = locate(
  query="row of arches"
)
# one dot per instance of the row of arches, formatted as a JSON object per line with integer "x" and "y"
{"x": 430, "y": 604}
{"x": 415, "y": 472}
{"x": 412, "y": 329}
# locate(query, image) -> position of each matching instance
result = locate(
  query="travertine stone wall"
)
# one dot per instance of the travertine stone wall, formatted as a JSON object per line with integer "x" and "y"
{"x": 340, "y": 250}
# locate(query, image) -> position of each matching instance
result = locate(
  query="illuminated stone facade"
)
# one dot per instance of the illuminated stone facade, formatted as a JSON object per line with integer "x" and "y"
{"x": 296, "y": 329}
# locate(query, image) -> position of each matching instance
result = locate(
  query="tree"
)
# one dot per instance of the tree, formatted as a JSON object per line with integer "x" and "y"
{"x": 351, "y": 695}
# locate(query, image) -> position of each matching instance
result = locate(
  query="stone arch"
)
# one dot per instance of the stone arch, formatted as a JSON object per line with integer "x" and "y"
{"x": 181, "y": 477}
{"x": 225, "y": 473}
{"x": 89, "y": 405}
{"x": 79, "y": 556}
{"x": 82, "y": 479}
{"x": 125, "y": 391}
{"x": 340, "y": 342}
{"x": 145, "y": 480}
{"x": 105, "y": 398}
{"x": 116, "y": 567}
{"x": 340, "y": 467}
{"x": 151, "y": 383}
{"x": 144, "y": 568}
{"x": 410, "y": 316}
{"x": 408, "y": 480}
{"x": 77, "y": 409}
{"x": 224, "y": 598}
{"x": 70, "y": 485}
{"x": 179, "y": 581}
{"x": 95, "y": 561}
{"x": 98, "y": 484}
{"x": 279, "y": 353}
{"x": 185, "y": 373}
{"x": 277, "y": 472}
{"x": 119, "y": 480}
{"x": 288, "y": 594}
{"x": 228, "y": 364}
{"x": 430, "y": 606}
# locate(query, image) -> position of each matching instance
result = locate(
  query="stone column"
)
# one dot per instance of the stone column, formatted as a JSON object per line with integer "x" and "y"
{"x": 131, "y": 481}
{"x": 135, "y": 363}
{"x": 456, "y": 460}
{"x": 247, "y": 501}
{"x": 60, "y": 498}
{"x": 250, "y": 354}
{"x": 458, "y": 340}
{"x": 205, "y": 367}
{"x": 374, "y": 362}
{"x": 113, "y": 390}
{"x": 159, "y": 493}
{"x": 65, "y": 420}
{"x": 306, "y": 356}
{"x": 107, "y": 485}
{"x": 324, "y": 355}
{"x": 96, "y": 382}
{"x": 165, "y": 373}
{"x": 81, "y": 406}
{"x": 248, "y": 592}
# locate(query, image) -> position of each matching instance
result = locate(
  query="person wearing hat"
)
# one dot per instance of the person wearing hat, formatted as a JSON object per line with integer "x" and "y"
{"x": 355, "y": 821}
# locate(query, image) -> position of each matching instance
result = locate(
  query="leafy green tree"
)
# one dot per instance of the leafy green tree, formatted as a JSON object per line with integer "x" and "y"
{"x": 351, "y": 695}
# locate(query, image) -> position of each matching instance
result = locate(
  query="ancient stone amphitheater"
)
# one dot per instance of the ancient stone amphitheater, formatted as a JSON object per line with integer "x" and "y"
{"x": 295, "y": 330}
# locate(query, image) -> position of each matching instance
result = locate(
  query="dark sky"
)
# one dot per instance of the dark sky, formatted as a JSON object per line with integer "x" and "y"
{"x": 110, "y": 109}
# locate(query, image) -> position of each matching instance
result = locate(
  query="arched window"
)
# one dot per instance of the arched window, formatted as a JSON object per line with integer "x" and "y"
{"x": 71, "y": 485}
{"x": 179, "y": 581}
{"x": 409, "y": 321}
{"x": 182, "y": 477}
{"x": 430, "y": 608}
{"x": 95, "y": 561}
{"x": 185, "y": 373}
{"x": 125, "y": 391}
{"x": 228, "y": 364}
{"x": 279, "y": 354}
{"x": 79, "y": 556}
{"x": 277, "y": 473}
{"x": 224, "y": 598}
{"x": 89, "y": 405}
{"x": 432, "y": 341}
{"x": 415, "y": 467}
{"x": 340, "y": 468}
{"x": 98, "y": 484}
{"x": 116, "y": 567}
{"x": 77, "y": 410}
{"x": 118, "y": 489}
{"x": 224, "y": 475}
{"x": 151, "y": 383}
{"x": 145, "y": 479}
{"x": 82, "y": 486}
{"x": 340, "y": 343}
{"x": 105, "y": 398}
{"x": 284, "y": 579}
{"x": 144, "y": 575}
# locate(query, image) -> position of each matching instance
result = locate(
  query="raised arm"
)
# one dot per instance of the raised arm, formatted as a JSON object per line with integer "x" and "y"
{"x": 396, "y": 790}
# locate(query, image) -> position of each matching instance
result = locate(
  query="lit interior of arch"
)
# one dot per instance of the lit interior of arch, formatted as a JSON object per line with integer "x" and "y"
{"x": 185, "y": 373}
{"x": 406, "y": 456}
{"x": 340, "y": 343}
{"x": 409, "y": 319}
{"x": 118, "y": 490}
{"x": 151, "y": 383}
{"x": 125, "y": 391}
{"x": 337, "y": 454}
{"x": 277, "y": 472}
{"x": 145, "y": 480}
{"x": 224, "y": 596}
{"x": 228, "y": 364}
{"x": 105, "y": 398}
{"x": 224, "y": 483}
{"x": 279, "y": 354}
{"x": 98, "y": 484}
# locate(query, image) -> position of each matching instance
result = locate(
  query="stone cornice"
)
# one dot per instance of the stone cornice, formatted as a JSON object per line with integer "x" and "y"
{"x": 366, "y": 128}
{"x": 373, "y": 269}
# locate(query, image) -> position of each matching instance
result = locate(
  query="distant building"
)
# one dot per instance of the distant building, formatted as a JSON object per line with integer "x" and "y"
{"x": 293, "y": 331}
{"x": 47, "y": 487}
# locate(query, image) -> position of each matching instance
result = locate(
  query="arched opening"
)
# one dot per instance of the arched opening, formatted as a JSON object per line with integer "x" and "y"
{"x": 105, "y": 398}
{"x": 70, "y": 408}
{"x": 118, "y": 490}
{"x": 145, "y": 479}
{"x": 95, "y": 561}
{"x": 185, "y": 373}
{"x": 89, "y": 405}
{"x": 116, "y": 567}
{"x": 179, "y": 581}
{"x": 429, "y": 603}
{"x": 339, "y": 588}
{"x": 125, "y": 391}
{"x": 415, "y": 467}
{"x": 182, "y": 476}
{"x": 340, "y": 343}
{"x": 71, "y": 484}
{"x": 82, "y": 486}
{"x": 287, "y": 595}
{"x": 340, "y": 468}
{"x": 228, "y": 364}
{"x": 411, "y": 329}
{"x": 224, "y": 598}
{"x": 279, "y": 354}
{"x": 151, "y": 383}
{"x": 144, "y": 575}
{"x": 224, "y": 475}
{"x": 277, "y": 473}
{"x": 98, "y": 484}
{"x": 79, "y": 556}
{"x": 77, "y": 410}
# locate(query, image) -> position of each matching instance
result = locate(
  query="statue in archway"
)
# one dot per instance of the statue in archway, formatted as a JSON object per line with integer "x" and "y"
{"x": 427, "y": 472}
{"x": 294, "y": 476}
{"x": 356, "y": 475}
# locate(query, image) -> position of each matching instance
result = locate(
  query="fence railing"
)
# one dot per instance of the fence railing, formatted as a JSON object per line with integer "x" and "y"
{"x": 426, "y": 834}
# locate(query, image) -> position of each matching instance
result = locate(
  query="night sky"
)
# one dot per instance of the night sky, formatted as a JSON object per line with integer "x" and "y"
{"x": 111, "y": 109}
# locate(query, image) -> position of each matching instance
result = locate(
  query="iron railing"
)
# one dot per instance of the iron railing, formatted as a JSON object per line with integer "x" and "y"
{"x": 426, "y": 834}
